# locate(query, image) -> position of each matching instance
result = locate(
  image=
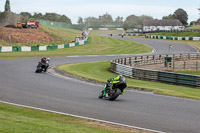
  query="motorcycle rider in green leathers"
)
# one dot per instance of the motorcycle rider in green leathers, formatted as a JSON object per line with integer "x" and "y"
{"x": 111, "y": 83}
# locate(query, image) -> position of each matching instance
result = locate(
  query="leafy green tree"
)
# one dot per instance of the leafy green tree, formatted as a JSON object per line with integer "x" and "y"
{"x": 131, "y": 20}
{"x": 142, "y": 18}
{"x": 80, "y": 20}
{"x": 181, "y": 15}
{"x": 125, "y": 26}
{"x": 134, "y": 20}
{"x": 91, "y": 19}
{"x": 25, "y": 16}
{"x": 168, "y": 17}
{"x": 192, "y": 23}
{"x": 7, "y": 6}
{"x": 51, "y": 16}
{"x": 57, "y": 17}
{"x": 38, "y": 15}
{"x": 119, "y": 19}
{"x": 0, "y": 14}
{"x": 106, "y": 18}
{"x": 65, "y": 19}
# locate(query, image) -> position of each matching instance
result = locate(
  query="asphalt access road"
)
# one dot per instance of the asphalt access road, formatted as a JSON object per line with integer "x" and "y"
{"x": 19, "y": 84}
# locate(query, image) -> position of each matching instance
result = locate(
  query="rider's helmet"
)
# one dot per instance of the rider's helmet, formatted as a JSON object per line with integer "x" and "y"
{"x": 120, "y": 76}
{"x": 122, "y": 79}
{"x": 43, "y": 59}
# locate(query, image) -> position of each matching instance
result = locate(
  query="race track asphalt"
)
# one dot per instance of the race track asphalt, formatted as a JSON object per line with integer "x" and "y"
{"x": 19, "y": 84}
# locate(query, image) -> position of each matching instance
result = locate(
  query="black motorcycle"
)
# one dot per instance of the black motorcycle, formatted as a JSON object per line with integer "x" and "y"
{"x": 112, "y": 91}
{"x": 41, "y": 67}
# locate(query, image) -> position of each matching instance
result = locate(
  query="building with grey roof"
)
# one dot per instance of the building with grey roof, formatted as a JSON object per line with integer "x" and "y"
{"x": 162, "y": 25}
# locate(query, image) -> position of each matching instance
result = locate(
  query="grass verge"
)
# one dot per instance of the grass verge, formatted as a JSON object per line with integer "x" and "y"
{"x": 98, "y": 45}
{"x": 195, "y": 44}
{"x": 15, "y": 119}
{"x": 99, "y": 71}
{"x": 61, "y": 35}
{"x": 193, "y": 27}
{"x": 192, "y": 72}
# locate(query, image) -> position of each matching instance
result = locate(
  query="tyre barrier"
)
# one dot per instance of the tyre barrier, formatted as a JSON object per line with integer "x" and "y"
{"x": 132, "y": 35}
{"x": 39, "y": 48}
{"x": 173, "y": 38}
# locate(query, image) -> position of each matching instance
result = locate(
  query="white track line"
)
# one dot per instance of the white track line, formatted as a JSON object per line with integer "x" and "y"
{"x": 77, "y": 116}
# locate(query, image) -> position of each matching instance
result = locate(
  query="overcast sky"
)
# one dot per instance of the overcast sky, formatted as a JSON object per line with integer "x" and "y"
{"x": 85, "y": 8}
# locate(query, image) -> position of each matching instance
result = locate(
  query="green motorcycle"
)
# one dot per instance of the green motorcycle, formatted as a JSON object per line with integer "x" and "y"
{"x": 113, "y": 89}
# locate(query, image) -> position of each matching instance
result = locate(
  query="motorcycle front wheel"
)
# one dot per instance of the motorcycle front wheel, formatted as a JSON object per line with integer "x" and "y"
{"x": 38, "y": 70}
{"x": 101, "y": 94}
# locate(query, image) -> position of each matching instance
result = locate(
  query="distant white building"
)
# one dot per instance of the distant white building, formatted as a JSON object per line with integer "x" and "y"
{"x": 162, "y": 25}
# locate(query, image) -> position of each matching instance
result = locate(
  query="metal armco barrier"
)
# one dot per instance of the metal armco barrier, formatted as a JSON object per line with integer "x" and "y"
{"x": 120, "y": 66}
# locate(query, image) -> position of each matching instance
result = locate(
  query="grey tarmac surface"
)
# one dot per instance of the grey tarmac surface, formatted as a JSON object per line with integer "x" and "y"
{"x": 19, "y": 84}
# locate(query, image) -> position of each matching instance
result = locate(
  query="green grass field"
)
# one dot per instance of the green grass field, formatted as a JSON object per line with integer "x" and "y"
{"x": 98, "y": 45}
{"x": 15, "y": 119}
{"x": 62, "y": 36}
{"x": 192, "y": 72}
{"x": 99, "y": 71}
{"x": 193, "y": 27}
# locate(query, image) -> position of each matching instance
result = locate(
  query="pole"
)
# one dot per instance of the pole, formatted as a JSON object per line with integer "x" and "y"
{"x": 170, "y": 46}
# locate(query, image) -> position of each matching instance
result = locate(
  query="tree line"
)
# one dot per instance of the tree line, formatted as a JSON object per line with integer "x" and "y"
{"x": 48, "y": 16}
{"x": 25, "y": 16}
{"x": 179, "y": 14}
{"x": 130, "y": 21}
{"x": 107, "y": 18}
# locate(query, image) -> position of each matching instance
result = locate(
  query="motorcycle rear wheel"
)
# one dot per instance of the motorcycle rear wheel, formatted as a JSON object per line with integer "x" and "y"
{"x": 115, "y": 94}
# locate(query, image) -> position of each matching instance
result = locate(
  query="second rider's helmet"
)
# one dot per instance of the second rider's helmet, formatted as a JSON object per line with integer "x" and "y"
{"x": 43, "y": 60}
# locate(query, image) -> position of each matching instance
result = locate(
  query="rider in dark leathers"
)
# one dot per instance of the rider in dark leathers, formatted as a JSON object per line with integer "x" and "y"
{"x": 44, "y": 63}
